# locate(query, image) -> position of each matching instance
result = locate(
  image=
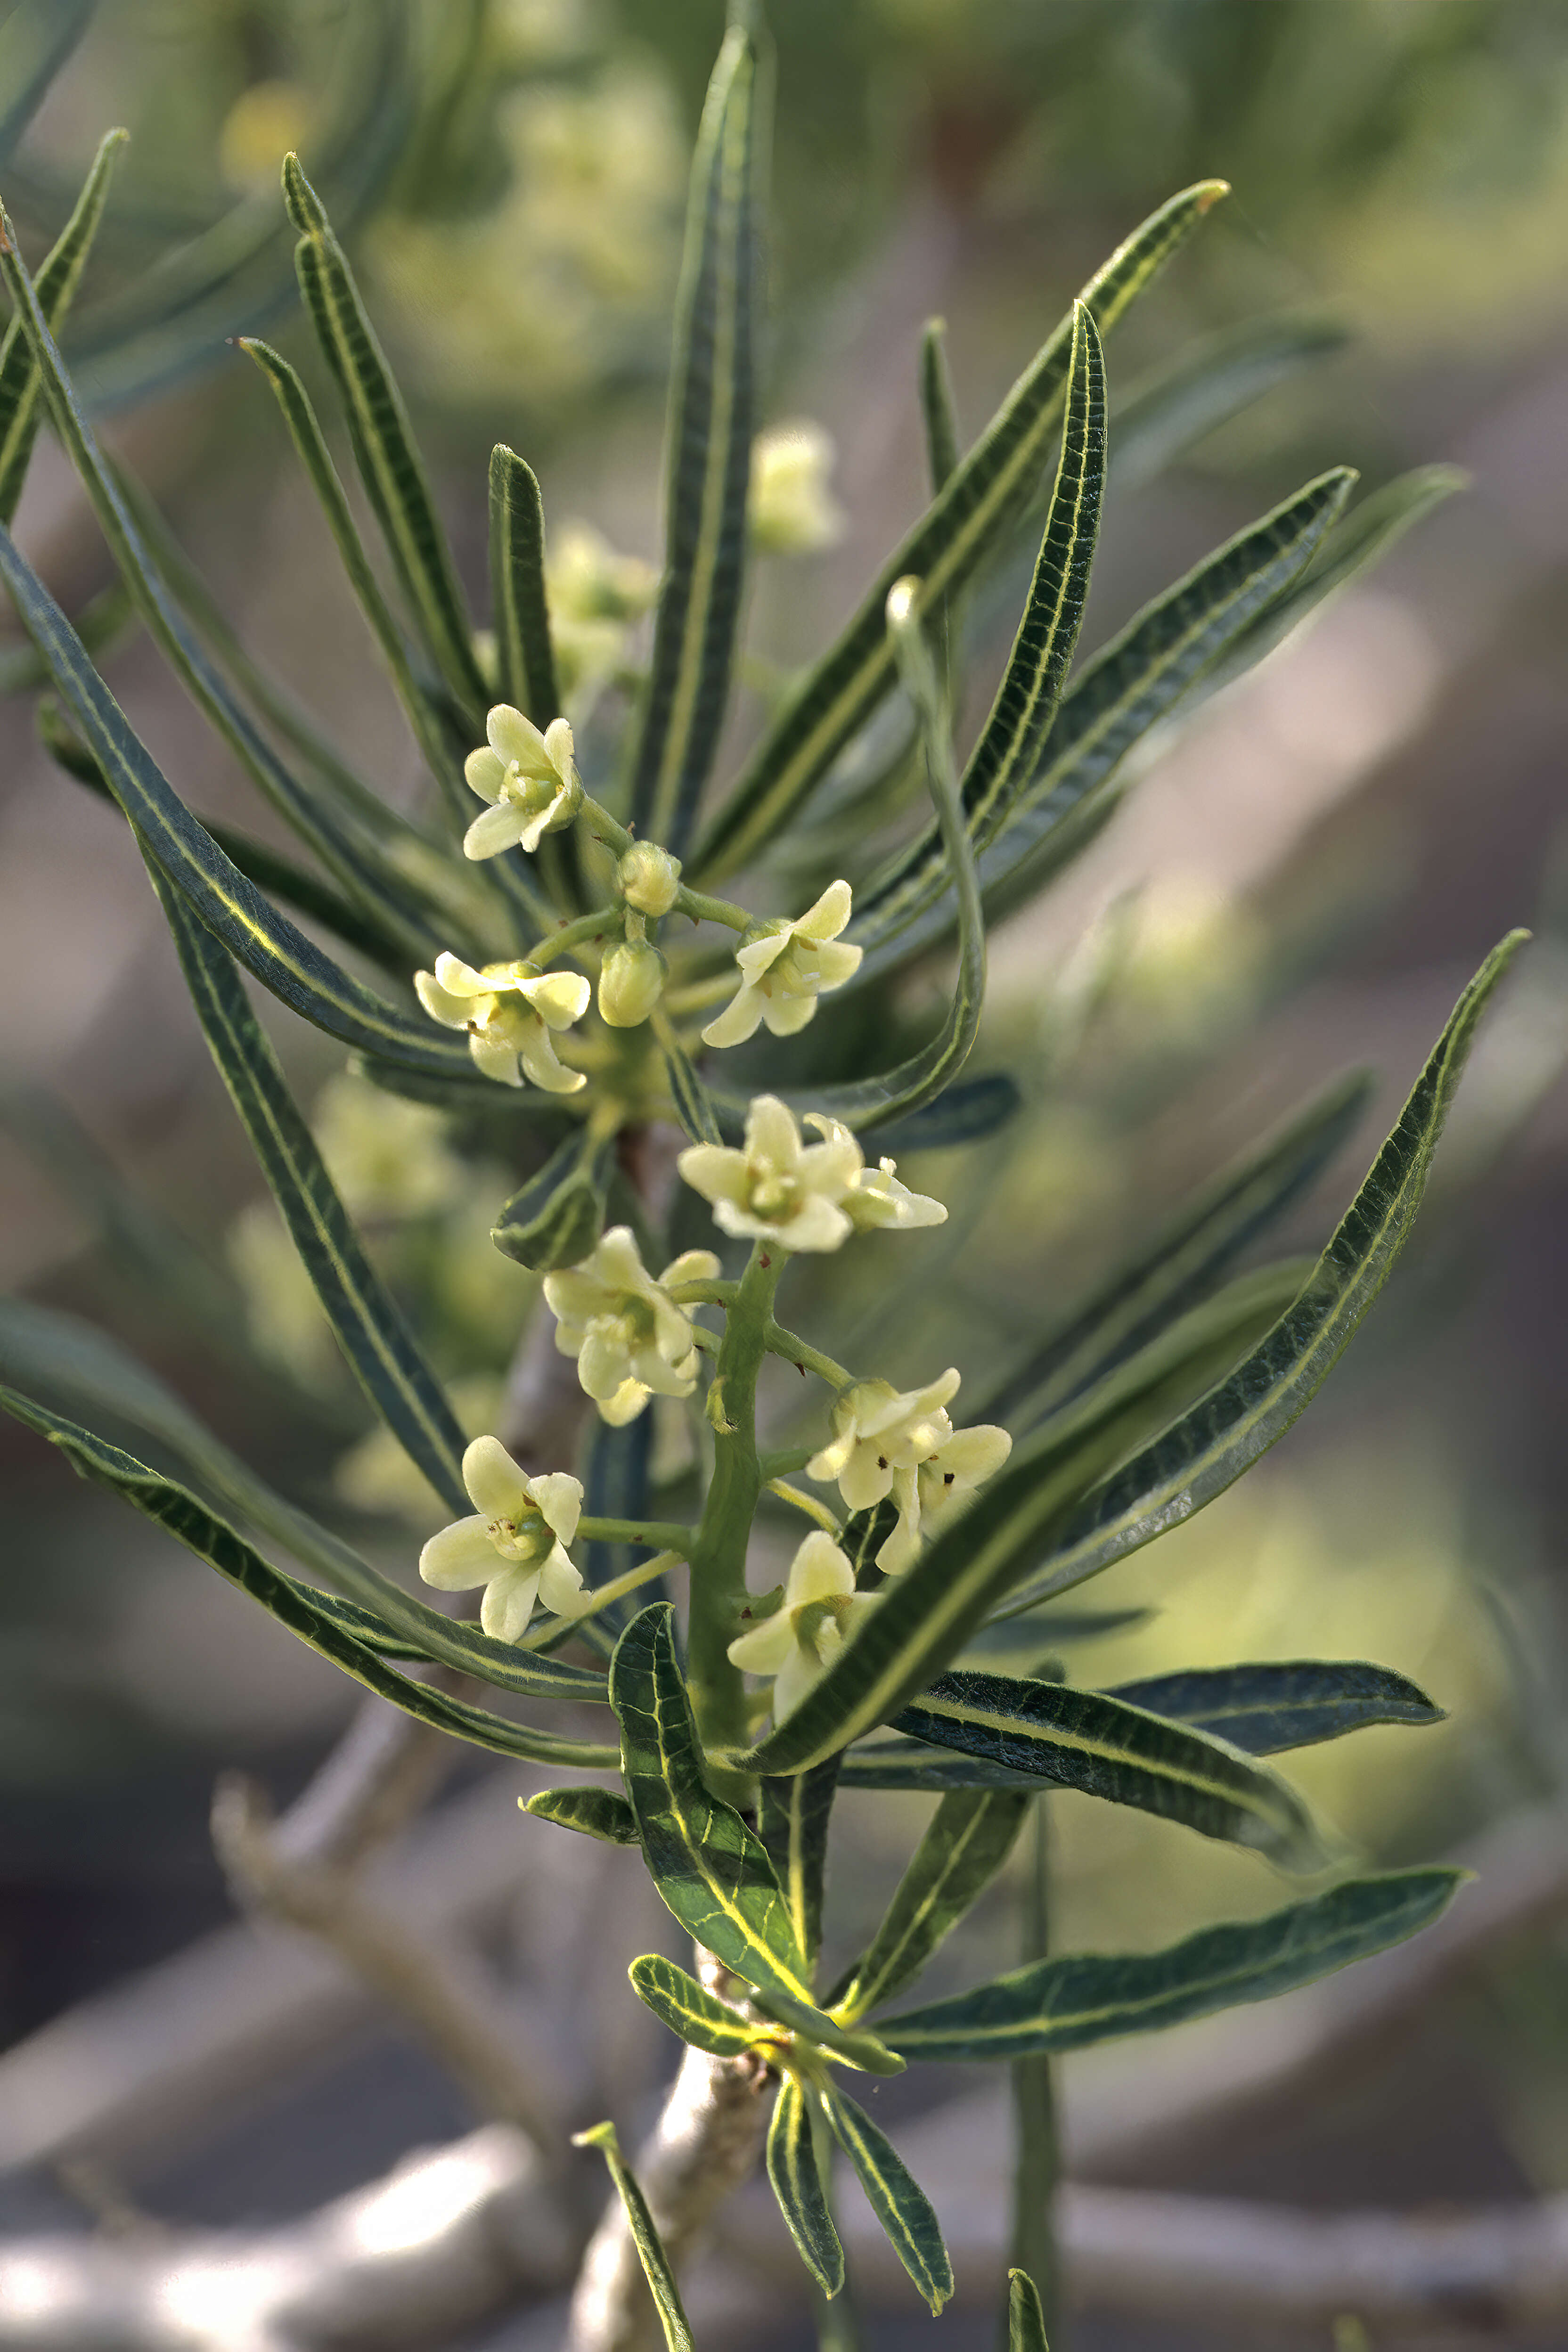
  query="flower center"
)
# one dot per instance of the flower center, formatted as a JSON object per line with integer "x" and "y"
{"x": 817, "y": 1629}
{"x": 520, "y": 1538}
{"x": 772, "y": 1195}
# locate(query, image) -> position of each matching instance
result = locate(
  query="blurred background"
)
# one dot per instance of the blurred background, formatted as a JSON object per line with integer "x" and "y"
{"x": 1299, "y": 883}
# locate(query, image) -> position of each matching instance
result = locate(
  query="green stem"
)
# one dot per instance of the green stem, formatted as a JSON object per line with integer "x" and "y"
{"x": 664, "y": 1535}
{"x": 805, "y": 1358}
{"x": 600, "y": 822}
{"x": 719, "y": 1554}
{"x": 1036, "y": 2163}
{"x": 556, "y": 1628}
{"x": 787, "y": 1459}
{"x": 704, "y": 909}
{"x": 573, "y": 935}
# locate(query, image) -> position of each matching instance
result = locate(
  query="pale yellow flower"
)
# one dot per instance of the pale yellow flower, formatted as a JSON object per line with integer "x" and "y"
{"x": 775, "y": 1189}
{"x": 904, "y": 1445}
{"x": 508, "y": 1017}
{"x": 784, "y": 966}
{"x": 876, "y": 1202}
{"x": 515, "y": 1544}
{"x": 528, "y": 779}
{"x": 630, "y": 1338}
{"x": 792, "y": 510}
{"x": 820, "y": 1613}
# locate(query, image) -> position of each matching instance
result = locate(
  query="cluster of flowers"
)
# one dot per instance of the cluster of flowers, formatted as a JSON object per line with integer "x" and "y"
{"x": 634, "y": 1338}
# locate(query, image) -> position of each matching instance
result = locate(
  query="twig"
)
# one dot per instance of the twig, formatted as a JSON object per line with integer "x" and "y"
{"x": 426, "y": 1988}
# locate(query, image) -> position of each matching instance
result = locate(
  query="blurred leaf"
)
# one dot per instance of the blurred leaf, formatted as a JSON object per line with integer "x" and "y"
{"x": 938, "y": 410}
{"x": 1025, "y": 2320}
{"x": 655, "y": 2262}
{"x": 37, "y": 38}
{"x": 966, "y": 1843}
{"x": 1116, "y": 698}
{"x": 968, "y": 1112}
{"x": 792, "y": 1822}
{"x": 1263, "y": 1710}
{"x": 1144, "y": 1296}
{"x": 58, "y": 278}
{"x": 796, "y": 2181}
{"x": 697, "y": 2016}
{"x": 990, "y": 488}
{"x": 1208, "y": 385}
{"x": 1082, "y": 1999}
{"x": 383, "y": 441}
{"x": 1225, "y": 1431}
{"x": 555, "y": 1219}
{"x": 710, "y": 1869}
{"x": 598, "y": 1812}
{"x": 899, "y": 2202}
{"x": 1099, "y": 1743}
{"x": 366, "y": 1321}
{"x": 281, "y": 958}
{"x": 696, "y": 1109}
{"x": 712, "y": 401}
{"x": 295, "y": 1605}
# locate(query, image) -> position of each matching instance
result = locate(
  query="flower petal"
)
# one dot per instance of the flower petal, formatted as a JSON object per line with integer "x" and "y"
{"x": 558, "y": 748}
{"x": 453, "y": 1012}
{"x": 865, "y": 1478}
{"x": 460, "y": 978}
{"x": 786, "y": 1015}
{"x": 508, "y": 1602}
{"x": 819, "y": 1571}
{"x": 517, "y": 742}
{"x": 691, "y": 1266}
{"x": 715, "y": 1171}
{"x": 771, "y": 1134}
{"x": 485, "y": 774}
{"x": 603, "y": 1362}
{"x": 829, "y": 916}
{"x": 838, "y": 961}
{"x": 558, "y": 997}
{"x": 493, "y": 830}
{"x": 759, "y": 955}
{"x": 494, "y": 1058}
{"x": 738, "y": 1021}
{"x": 763, "y": 1649}
{"x": 496, "y": 1483}
{"x": 540, "y": 1061}
{"x": 625, "y": 1405}
{"x": 972, "y": 1454}
{"x": 817, "y": 1225}
{"x": 459, "y": 1557}
{"x": 560, "y": 1497}
{"x": 561, "y": 1588}
{"x": 795, "y": 1678}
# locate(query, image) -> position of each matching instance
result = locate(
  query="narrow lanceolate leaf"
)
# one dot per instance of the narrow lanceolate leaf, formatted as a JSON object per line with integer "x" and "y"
{"x": 696, "y": 1109}
{"x": 656, "y": 2263}
{"x": 202, "y": 1531}
{"x": 899, "y": 2202}
{"x": 796, "y": 2181}
{"x": 1025, "y": 2320}
{"x": 1129, "y": 685}
{"x": 1007, "y": 755}
{"x": 357, "y": 864}
{"x": 1143, "y": 1297}
{"x": 711, "y": 413}
{"x": 366, "y": 1321}
{"x": 38, "y": 37}
{"x": 42, "y": 1350}
{"x": 596, "y": 1813}
{"x": 269, "y": 947}
{"x": 792, "y": 1822}
{"x": 1082, "y": 1999}
{"x": 1224, "y": 1433}
{"x": 1056, "y": 1499}
{"x": 921, "y": 1770}
{"x": 1262, "y": 1709}
{"x": 688, "y": 2008}
{"x": 938, "y": 410}
{"x": 1093, "y": 1741}
{"x": 58, "y": 278}
{"x": 968, "y": 1839}
{"x": 990, "y": 489}
{"x": 525, "y": 658}
{"x": 967, "y": 1113}
{"x": 710, "y": 1869}
{"x": 382, "y": 442}
{"x": 556, "y": 1218}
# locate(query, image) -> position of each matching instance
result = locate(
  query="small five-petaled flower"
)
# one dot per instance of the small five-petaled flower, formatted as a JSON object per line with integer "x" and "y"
{"x": 630, "y": 1337}
{"x": 514, "y": 1545}
{"x": 509, "y": 1014}
{"x": 529, "y": 780}
{"x": 801, "y": 1196}
{"x": 784, "y": 966}
{"x": 820, "y": 1612}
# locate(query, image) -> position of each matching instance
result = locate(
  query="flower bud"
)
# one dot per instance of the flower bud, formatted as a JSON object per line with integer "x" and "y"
{"x": 631, "y": 984}
{"x": 648, "y": 877}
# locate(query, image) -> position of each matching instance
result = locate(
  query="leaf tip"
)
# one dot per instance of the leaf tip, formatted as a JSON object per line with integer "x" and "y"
{"x": 598, "y": 2135}
{"x": 1208, "y": 193}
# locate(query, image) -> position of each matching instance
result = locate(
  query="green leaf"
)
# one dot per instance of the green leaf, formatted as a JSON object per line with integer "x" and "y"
{"x": 1143, "y": 1297}
{"x": 1262, "y": 1709}
{"x": 796, "y": 2181}
{"x": 938, "y": 410}
{"x": 710, "y": 1869}
{"x": 358, "y": 864}
{"x": 598, "y": 1812}
{"x": 1099, "y": 1743}
{"x": 1121, "y": 694}
{"x": 58, "y": 278}
{"x": 38, "y": 37}
{"x": 383, "y": 441}
{"x": 966, "y": 1843}
{"x": 41, "y": 1349}
{"x": 696, "y": 1109}
{"x": 525, "y": 658}
{"x": 697, "y": 2016}
{"x": 712, "y": 400}
{"x": 1224, "y": 1433}
{"x": 1085, "y": 1998}
{"x": 655, "y": 2262}
{"x": 555, "y": 1219}
{"x": 792, "y": 1822}
{"x": 323, "y": 1627}
{"x": 1025, "y": 2320}
{"x": 367, "y": 1323}
{"x": 900, "y": 2204}
{"x": 990, "y": 488}
{"x": 271, "y": 947}
{"x": 967, "y": 1113}
{"x": 913, "y": 1766}
{"x": 1208, "y": 385}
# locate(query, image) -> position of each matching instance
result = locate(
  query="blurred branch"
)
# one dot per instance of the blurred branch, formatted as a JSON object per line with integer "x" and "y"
{"x": 430, "y": 1990}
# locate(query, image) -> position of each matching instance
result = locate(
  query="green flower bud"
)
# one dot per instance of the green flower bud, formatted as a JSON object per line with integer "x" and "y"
{"x": 631, "y": 982}
{"x": 648, "y": 877}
